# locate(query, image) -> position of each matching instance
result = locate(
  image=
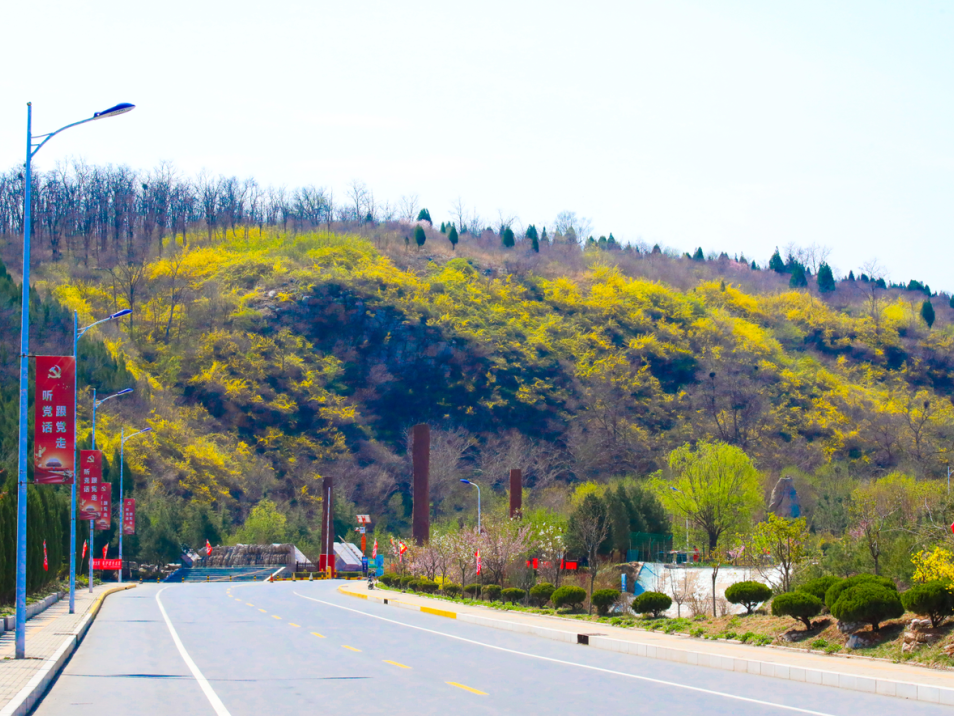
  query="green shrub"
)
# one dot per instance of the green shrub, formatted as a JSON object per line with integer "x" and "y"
{"x": 387, "y": 579}
{"x": 568, "y": 596}
{"x": 836, "y": 589}
{"x": 406, "y": 580}
{"x": 818, "y": 587}
{"x": 472, "y": 590}
{"x": 413, "y": 584}
{"x": 819, "y": 644}
{"x": 748, "y": 594}
{"x": 603, "y": 599}
{"x": 798, "y": 605}
{"x": 349, "y": 575}
{"x": 747, "y": 637}
{"x": 451, "y": 589}
{"x": 869, "y": 602}
{"x": 541, "y": 593}
{"x": 697, "y": 632}
{"x": 652, "y": 603}
{"x": 513, "y": 594}
{"x": 933, "y": 600}
{"x": 427, "y": 586}
{"x": 491, "y": 592}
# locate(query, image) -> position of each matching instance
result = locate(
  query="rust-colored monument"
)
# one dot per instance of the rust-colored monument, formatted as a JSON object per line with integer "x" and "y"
{"x": 421, "y": 458}
{"x": 516, "y": 493}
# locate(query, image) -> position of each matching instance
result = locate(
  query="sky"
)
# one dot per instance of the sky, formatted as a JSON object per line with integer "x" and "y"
{"x": 734, "y": 126}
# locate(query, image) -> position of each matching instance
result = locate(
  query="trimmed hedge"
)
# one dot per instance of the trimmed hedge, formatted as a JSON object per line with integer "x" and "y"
{"x": 867, "y": 601}
{"x": 603, "y": 599}
{"x": 491, "y": 592}
{"x": 541, "y": 593}
{"x": 748, "y": 594}
{"x": 835, "y": 591}
{"x": 568, "y": 596}
{"x": 451, "y": 589}
{"x": 472, "y": 590}
{"x": 413, "y": 584}
{"x": 933, "y": 600}
{"x": 652, "y": 603}
{"x": 427, "y": 586}
{"x": 513, "y": 594}
{"x": 404, "y": 582}
{"x": 798, "y": 605}
{"x": 819, "y": 586}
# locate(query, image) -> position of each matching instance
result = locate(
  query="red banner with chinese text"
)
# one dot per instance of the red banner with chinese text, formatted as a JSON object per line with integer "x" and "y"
{"x": 104, "y": 521}
{"x": 90, "y": 480}
{"x": 129, "y": 516}
{"x": 54, "y": 430}
{"x": 107, "y": 563}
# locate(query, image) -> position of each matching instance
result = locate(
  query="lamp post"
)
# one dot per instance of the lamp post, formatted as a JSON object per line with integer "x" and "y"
{"x": 122, "y": 507}
{"x": 92, "y": 523}
{"x": 31, "y": 149}
{"x": 468, "y": 482}
{"x": 77, "y": 334}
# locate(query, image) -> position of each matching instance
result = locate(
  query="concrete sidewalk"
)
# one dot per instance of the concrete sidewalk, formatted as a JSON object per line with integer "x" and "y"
{"x": 51, "y": 637}
{"x": 852, "y": 673}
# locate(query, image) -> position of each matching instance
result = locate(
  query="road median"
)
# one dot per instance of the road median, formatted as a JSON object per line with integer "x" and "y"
{"x": 868, "y": 676}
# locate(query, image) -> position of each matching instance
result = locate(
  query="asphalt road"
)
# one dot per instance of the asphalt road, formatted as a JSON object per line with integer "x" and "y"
{"x": 300, "y": 647}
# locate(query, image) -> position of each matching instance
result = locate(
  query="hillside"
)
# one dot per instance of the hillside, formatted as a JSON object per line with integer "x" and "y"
{"x": 264, "y": 360}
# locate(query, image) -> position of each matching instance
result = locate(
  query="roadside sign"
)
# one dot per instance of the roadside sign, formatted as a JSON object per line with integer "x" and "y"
{"x": 107, "y": 564}
{"x": 364, "y": 519}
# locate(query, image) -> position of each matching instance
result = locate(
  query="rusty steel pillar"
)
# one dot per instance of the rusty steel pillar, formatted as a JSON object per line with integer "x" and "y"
{"x": 327, "y": 559}
{"x": 516, "y": 493}
{"x": 421, "y": 457}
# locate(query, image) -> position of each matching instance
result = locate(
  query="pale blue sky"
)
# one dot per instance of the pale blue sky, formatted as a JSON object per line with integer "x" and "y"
{"x": 731, "y": 125}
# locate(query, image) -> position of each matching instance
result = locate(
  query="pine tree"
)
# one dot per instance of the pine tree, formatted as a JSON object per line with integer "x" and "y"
{"x": 543, "y": 236}
{"x": 602, "y": 243}
{"x": 452, "y": 237}
{"x": 535, "y": 245}
{"x": 507, "y": 238}
{"x": 419, "y": 236}
{"x": 699, "y": 256}
{"x": 776, "y": 263}
{"x": 656, "y": 249}
{"x": 826, "y": 280}
{"x": 424, "y": 215}
{"x": 798, "y": 279}
{"x": 443, "y": 228}
{"x": 927, "y": 313}
{"x": 851, "y": 275}
{"x": 611, "y": 243}
{"x": 951, "y": 302}
{"x": 531, "y": 232}
{"x": 755, "y": 266}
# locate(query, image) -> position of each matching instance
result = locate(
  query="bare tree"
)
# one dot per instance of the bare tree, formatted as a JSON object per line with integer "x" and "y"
{"x": 408, "y": 207}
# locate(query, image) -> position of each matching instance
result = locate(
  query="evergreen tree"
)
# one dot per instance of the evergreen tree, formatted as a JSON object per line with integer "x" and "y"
{"x": 602, "y": 243}
{"x": 826, "y": 280}
{"x": 927, "y": 313}
{"x": 535, "y": 245}
{"x": 443, "y": 228}
{"x": 656, "y": 249}
{"x": 755, "y": 266}
{"x": 851, "y": 275}
{"x": 531, "y": 232}
{"x": 611, "y": 243}
{"x": 424, "y": 215}
{"x": 507, "y": 238}
{"x": 419, "y": 236}
{"x": 543, "y": 236}
{"x": 699, "y": 256}
{"x": 452, "y": 237}
{"x": 951, "y": 302}
{"x": 776, "y": 263}
{"x": 798, "y": 279}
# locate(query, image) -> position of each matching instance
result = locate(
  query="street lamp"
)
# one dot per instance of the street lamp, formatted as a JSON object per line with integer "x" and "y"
{"x": 92, "y": 523}
{"x": 468, "y": 482}
{"x": 122, "y": 508}
{"x": 31, "y": 150}
{"x": 77, "y": 334}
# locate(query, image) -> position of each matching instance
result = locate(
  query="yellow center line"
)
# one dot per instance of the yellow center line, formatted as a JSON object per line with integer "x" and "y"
{"x": 345, "y": 646}
{"x": 394, "y": 663}
{"x": 263, "y": 611}
{"x": 275, "y": 616}
{"x": 292, "y": 624}
{"x": 467, "y": 688}
{"x": 249, "y": 604}
{"x": 320, "y": 636}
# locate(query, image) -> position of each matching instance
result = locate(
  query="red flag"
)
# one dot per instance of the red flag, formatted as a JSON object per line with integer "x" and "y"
{"x": 84, "y": 550}
{"x": 478, "y": 561}
{"x": 208, "y": 548}
{"x": 402, "y": 548}
{"x": 105, "y": 547}
{"x": 55, "y": 411}
{"x": 46, "y": 563}
{"x": 374, "y": 550}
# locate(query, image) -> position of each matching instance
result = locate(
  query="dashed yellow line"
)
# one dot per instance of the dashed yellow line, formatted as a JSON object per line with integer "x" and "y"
{"x": 249, "y": 604}
{"x": 467, "y": 688}
{"x": 394, "y": 663}
{"x": 320, "y": 636}
{"x": 293, "y": 624}
{"x": 350, "y": 648}
{"x": 263, "y": 611}
{"x": 275, "y": 616}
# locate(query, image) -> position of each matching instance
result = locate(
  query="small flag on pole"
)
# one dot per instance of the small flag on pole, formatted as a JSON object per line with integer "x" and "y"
{"x": 105, "y": 547}
{"x": 374, "y": 550}
{"x": 478, "y": 561}
{"x": 208, "y": 548}
{"x": 402, "y": 548}
{"x": 84, "y": 550}
{"x": 46, "y": 563}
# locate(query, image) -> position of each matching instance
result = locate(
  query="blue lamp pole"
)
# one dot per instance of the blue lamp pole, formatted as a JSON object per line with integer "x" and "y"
{"x": 31, "y": 149}
{"x": 122, "y": 506}
{"x": 468, "y": 482}
{"x": 92, "y": 523}
{"x": 77, "y": 334}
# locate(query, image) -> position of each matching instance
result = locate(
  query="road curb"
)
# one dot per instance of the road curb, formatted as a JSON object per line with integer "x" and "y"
{"x": 850, "y": 682}
{"x": 30, "y": 695}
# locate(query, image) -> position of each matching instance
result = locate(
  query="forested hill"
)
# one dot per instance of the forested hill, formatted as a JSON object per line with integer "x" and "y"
{"x": 264, "y": 359}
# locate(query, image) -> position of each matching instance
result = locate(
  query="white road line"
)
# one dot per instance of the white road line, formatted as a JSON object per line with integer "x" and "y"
{"x": 572, "y": 663}
{"x": 213, "y": 698}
